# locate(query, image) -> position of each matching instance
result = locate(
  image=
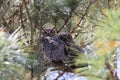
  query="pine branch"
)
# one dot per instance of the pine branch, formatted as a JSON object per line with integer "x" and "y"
{"x": 67, "y": 19}
{"x": 83, "y": 16}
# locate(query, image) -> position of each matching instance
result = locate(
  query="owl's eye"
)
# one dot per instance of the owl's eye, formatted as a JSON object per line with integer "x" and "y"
{"x": 69, "y": 36}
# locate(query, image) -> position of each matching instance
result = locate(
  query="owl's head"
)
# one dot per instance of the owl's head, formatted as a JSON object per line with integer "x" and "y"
{"x": 49, "y": 32}
{"x": 66, "y": 37}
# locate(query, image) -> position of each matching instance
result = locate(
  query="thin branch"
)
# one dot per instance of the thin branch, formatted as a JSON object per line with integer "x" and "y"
{"x": 21, "y": 15}
{"x": 55, "y": 23}
{"x": 108, "y": 4}
{"x": 67, "y": 19}
{"x": 5, "y": 9}
{"x": 31, "y": 24}
{"x": 112, "y": 71}
{"x": 2, "y": 14}
{"x": 18, "y": 10}
{"x": 60, "y": 74}
{"x": 86, "y": 12}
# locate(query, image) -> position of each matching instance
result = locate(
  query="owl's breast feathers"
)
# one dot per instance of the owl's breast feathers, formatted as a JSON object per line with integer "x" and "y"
{"x": 54, "y": 48}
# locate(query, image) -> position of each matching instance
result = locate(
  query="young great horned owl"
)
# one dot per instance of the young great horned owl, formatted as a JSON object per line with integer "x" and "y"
{"x": 54, "y": 48}
{"x": 59, "y": 49}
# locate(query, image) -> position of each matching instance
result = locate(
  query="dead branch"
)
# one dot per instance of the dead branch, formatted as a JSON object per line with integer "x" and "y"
{"x": 112, "y": 71}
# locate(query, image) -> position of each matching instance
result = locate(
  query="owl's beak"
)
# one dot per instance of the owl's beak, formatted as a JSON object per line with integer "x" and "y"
{"x": 50, "y": 40}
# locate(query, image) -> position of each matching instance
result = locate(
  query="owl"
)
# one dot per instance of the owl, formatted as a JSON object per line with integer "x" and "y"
{"x": 66, "y": 37}
{"x": 58, "y": 47}
{"x": 54, "y": 48}
{"x": 72, "y": 47}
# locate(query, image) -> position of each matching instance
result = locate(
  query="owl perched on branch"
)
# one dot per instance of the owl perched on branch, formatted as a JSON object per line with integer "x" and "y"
{"x": 57, "y": 46}
{"x": 54, "y": 48}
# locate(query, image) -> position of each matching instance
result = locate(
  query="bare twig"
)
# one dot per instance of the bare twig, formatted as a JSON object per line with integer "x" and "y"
{"x": 5, "y": 8}
{"x": 60, "y": 74}
{"x": 108, "y": 4}
{"x": 112, "y": 71}
{"x": 21, "y": 14}
{"x": 86, "y": 12}
{"x": 31, "y": 24}
{"x": 55, "y": 23}
{"x": 2, "y": 13}
{"x": 67, "y": 19}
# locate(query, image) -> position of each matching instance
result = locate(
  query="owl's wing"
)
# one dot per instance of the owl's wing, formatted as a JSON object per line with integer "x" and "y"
{"x": 54, "y": 48}
{"x": 68, "y": 40}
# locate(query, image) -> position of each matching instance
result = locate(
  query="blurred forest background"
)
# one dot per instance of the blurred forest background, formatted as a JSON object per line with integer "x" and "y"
{"x": 94, "y": 25}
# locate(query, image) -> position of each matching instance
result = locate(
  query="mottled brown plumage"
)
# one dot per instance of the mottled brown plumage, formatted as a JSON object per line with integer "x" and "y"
{"x": 54, "y": 48}
{"x": 59, "y": 48}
